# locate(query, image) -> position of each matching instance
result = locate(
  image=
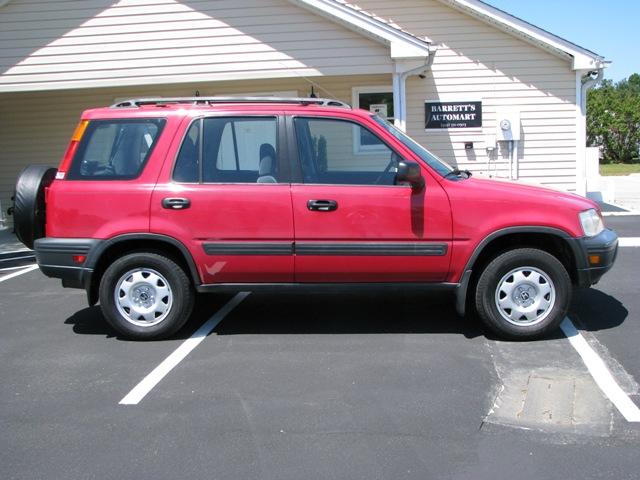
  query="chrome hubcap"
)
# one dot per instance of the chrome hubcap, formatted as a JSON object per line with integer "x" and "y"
{"x": 525, "y": 296}
{"x": 143, "y": 297}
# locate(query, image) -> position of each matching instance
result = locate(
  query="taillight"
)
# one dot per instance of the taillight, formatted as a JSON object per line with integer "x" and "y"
{"x": 71, "y": 149}
{"x": 79, "y": 259}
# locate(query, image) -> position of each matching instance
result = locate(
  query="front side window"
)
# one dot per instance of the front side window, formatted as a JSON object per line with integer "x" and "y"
{"x": 115, "y": 149}
{"x": 234, "y": 150}
{"x": 327, "y": 157}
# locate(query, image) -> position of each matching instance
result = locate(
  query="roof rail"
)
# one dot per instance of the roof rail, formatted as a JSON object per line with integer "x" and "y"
{"x": 137, "y": 102}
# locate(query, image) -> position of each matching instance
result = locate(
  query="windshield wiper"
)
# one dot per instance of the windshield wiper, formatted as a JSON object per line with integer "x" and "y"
{"x": 458, "y": 173}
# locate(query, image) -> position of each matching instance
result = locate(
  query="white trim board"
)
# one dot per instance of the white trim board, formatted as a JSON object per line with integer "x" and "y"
{"x": 366, "y": 23}
{"x": 583, "y": 59}
{"x": 403, "y": 45}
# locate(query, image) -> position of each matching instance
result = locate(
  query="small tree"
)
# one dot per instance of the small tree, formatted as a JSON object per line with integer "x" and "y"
{"x": 613, "y": 119}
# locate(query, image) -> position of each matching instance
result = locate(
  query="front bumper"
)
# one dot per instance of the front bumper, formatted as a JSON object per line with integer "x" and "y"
{"x": 604, "y": 246}
{"x": 55, "y": 257}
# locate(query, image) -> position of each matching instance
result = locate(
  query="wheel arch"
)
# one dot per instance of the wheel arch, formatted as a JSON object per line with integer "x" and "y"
{"x": 552, "y": 240}
{"x": 115, "y": 247}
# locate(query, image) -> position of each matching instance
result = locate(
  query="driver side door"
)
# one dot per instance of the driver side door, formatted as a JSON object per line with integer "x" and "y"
{"x": 352, "y": 222}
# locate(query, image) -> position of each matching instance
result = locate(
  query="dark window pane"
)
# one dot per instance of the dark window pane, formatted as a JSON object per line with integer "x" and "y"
{"x": 115, "y": 149}
{"x": 382, "y": 99}
{"x": 188, "y": 161}
{"x": 380, "y": 103}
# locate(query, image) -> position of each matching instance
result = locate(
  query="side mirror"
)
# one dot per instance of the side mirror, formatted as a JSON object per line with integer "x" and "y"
{"x": 409, "y": 171}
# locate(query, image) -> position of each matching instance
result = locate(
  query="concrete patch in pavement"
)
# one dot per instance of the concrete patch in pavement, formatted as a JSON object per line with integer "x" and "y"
{"x": 553, "y": 401}
{"x": 544, "y": 387}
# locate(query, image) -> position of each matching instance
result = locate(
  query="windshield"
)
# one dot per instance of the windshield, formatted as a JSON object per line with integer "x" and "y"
{"x": 429, "y": 158}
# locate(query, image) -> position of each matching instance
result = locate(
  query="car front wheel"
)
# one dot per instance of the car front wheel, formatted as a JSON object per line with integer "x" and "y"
{"x": 146, "y": 296}
{"x": 523, "y": 294}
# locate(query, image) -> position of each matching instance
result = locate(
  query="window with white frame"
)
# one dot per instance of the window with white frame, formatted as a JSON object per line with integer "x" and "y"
{"x": 378, "y": 100}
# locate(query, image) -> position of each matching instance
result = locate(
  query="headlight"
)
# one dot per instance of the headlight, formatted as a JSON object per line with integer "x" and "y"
{"x": 591, "y": 222}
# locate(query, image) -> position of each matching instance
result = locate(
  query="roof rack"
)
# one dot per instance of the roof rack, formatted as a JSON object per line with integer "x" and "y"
{"x": 137, "y": 102}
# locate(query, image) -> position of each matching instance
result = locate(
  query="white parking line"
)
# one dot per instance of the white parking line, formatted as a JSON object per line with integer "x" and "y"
{"x": 629, "y": 241}
{"x": 620, "y": 214}
{"x": 601, "y": 373}
{"x": 6, "y": 269}
{"x": 146, "y": 385}
{"x": 20, "y": 250}
{"x": 15, "y": 274}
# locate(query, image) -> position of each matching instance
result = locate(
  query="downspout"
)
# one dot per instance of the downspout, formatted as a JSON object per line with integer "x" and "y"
{"x": 586, "y": 82}
{"x": 400, "y": 90}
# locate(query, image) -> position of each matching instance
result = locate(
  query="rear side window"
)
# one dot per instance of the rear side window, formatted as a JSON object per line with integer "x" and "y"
{"x": 187, "y": 167}
{"x": 115, "y": 149}
{"x": 233, "y": 150}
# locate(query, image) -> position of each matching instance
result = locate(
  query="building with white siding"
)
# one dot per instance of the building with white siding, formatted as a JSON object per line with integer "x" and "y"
{"x": 447, "y": 71}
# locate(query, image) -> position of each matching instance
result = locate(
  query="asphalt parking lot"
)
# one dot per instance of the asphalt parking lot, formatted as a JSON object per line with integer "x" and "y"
{"x": 371, "y": 385}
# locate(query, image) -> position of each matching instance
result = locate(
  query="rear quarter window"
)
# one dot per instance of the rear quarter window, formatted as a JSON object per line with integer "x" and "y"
{"x": 115, "y": 149}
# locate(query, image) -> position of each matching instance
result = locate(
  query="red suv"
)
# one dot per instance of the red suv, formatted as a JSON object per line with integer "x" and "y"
{"x": 156, "y": 199}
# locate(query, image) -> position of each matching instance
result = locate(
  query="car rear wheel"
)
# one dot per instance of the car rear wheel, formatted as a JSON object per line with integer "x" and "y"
{"x": 146, "y": 296}
{"x": 523, "y": 294}
{"x": 28, "y": 203}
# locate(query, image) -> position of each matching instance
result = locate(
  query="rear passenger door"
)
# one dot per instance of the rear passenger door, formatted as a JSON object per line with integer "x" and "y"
{"x": 228, "y": 199}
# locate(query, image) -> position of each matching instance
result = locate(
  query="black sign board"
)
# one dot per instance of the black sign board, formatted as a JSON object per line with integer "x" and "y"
{"x": 453, "y": 114}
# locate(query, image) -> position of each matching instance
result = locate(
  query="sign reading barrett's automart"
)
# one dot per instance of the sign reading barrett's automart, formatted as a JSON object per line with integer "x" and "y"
{"x": 453, "y": 114}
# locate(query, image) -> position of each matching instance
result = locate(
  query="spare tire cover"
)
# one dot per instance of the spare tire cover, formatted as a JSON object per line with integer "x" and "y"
{"x": 28, "y": 203}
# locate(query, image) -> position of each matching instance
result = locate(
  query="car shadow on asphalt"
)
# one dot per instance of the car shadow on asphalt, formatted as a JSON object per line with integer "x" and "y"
{"x": 90, "y": 321}
{"x": 593, "y": 310}
{"x": 374, "y": 312}
{"x": 316, "y": 313}
{"x": 355, "y": 313}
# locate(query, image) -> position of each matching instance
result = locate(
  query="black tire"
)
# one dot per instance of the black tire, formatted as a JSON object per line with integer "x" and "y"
{"x": 28, "y": 203}
{"x": 166, "y": 270}
{"x": 553, "y": 308}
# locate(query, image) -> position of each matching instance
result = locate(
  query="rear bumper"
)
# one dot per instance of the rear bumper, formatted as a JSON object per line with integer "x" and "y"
{"x": 604, "y": 246}
{"x": 55, "y": 259}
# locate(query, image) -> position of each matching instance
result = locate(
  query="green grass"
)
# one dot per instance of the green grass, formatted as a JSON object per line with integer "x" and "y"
{"x": 619, "y": 168}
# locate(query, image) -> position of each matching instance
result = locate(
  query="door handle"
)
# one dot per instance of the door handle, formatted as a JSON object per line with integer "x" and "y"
{"x": 322, "y": 205}
{"x": 176, "y": 203}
